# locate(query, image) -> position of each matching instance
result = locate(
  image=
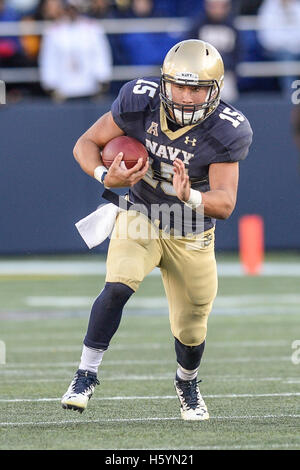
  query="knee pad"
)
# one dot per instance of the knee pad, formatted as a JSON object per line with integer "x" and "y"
{"x": 115, "y": 293}
{"x": 106, "y": 314}
{"x": 189, "y": 357}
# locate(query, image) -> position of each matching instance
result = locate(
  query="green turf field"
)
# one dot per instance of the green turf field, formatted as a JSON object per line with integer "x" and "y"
{"x": 250, "y": 371}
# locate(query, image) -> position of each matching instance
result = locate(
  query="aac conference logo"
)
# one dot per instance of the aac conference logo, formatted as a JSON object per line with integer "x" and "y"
{"x": 2, "y": 92}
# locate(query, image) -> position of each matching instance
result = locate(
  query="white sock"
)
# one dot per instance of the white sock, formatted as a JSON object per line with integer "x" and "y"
{"x": 91, "y": 359}
{"x": 184, "y": 374}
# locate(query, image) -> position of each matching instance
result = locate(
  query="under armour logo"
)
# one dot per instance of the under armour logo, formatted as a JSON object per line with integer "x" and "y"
{"x": 153, "y": 129}
{"x": 188, "y": 141}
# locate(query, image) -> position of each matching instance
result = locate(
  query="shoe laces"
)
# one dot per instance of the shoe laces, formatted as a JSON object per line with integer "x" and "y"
{"x": 189, "y": 389}
{"x": 84, "y": 380}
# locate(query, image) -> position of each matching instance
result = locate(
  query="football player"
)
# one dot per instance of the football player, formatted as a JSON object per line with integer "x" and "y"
{"x": 195, "y": 142}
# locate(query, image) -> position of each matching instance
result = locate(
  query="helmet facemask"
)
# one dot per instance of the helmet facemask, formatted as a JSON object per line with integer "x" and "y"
{"x": 186, "y": 115}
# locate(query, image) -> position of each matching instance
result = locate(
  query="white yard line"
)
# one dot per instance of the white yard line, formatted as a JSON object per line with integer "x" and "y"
{"x": 108, "y": 363}
{"x": 158, "y": 397}
{"x": 125, "y": 420}
{"x": 153, "y": 346}
{"x": 82, "y": 312}
{"x": 88, "y": 268}
{"x": 156, "y": 377}
{"x": 147, "y": 378}
{"x": 226, "y": 447}
{"x": 46, "y": 267}
{"x": 247, "y": 447}
{"x": 222, "y": 302}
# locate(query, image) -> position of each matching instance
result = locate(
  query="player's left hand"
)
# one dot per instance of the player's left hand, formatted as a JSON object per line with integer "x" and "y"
{"x": 181, "y": 181}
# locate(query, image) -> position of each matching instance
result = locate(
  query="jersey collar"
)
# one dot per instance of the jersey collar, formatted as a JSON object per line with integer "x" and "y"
{"x": 172, "y": 135}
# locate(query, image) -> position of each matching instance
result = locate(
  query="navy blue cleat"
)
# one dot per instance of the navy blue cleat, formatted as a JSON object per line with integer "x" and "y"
{"x": 192, "y": 406}
{"x": 80, "y": 391}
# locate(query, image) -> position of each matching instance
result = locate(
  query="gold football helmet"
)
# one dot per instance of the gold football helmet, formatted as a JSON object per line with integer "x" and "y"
{"x": 193, "y": 63}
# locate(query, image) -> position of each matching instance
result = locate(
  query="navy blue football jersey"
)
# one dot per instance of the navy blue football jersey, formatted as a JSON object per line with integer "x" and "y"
{"x": 225, "y": 136}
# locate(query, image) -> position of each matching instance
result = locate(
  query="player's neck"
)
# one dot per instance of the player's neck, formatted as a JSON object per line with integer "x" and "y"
{"x": 172, "y": 126}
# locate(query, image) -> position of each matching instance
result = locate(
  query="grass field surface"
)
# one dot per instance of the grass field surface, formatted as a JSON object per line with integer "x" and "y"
{"x": 250, "y": 369}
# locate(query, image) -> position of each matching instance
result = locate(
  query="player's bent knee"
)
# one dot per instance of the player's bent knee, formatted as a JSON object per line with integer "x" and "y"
{"x": 191, "y": 328}
{"x": 117, "y": 291}
{"x": 192, "y": 336}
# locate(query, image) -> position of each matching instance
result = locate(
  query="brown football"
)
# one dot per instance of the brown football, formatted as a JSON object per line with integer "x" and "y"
{"x": 131, "y": 148}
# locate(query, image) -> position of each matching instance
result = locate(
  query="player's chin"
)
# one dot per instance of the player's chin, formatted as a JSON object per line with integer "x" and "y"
{"x": 185, "y": 119}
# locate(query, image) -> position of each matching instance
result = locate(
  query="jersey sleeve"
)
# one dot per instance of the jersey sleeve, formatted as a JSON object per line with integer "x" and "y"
{"x": 238, "y": 149}
{"x": 231, "y": 144}
{"x": 131, "y": 103}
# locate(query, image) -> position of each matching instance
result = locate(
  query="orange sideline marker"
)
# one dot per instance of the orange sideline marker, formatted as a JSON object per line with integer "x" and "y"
{"x": 251, "y": 243}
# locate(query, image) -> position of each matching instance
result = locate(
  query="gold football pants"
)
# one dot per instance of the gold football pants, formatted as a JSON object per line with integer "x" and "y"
{"x": 187, "y": 265}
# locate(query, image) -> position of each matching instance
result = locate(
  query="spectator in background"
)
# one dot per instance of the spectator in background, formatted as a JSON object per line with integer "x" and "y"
{"x": 23, "y": 7}
{"x": 216, "y": 26}
{"x": 145, "y": 48}
{"x": 75, "y": 57}
{"x": 279, "y": 34}
{"x": 249, "y": 7}
{"x": 183, "y": 8}
{"x": 11, "y": 51}
{"x": 105, "y": 9}
{"x": 47, "y": 10}
{"x": 122, "y": 6}
{"x": 100, "y": 9}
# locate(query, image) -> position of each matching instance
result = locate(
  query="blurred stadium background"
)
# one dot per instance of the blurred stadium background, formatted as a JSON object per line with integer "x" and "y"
{"x": 48, "y": 277}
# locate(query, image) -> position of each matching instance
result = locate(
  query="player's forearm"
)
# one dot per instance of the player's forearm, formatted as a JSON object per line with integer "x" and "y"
{"x": 87, "y": 154}
{"x": 217, "y": 204}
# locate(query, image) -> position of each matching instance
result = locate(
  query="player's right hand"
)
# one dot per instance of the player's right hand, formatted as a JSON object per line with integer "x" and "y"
{"x": 181, "y": 182}
{"x": 118, "y": 176}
